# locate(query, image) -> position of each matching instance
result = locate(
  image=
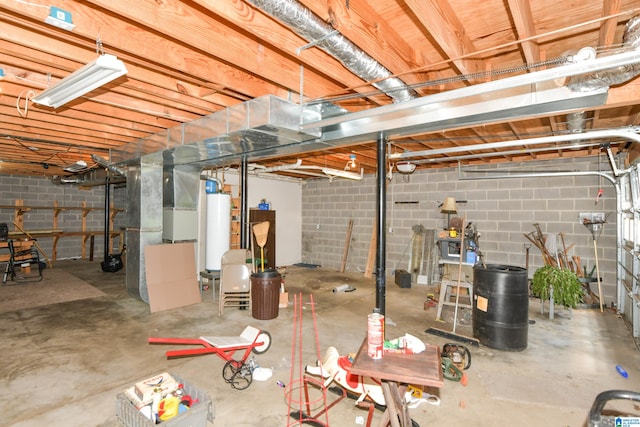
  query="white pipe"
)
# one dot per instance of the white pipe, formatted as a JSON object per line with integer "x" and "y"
{"x": 499, "y": 154}
{"x": 295, "y": 165}
{"x": 343, "y": 174}
{"x": 628, "y": 133}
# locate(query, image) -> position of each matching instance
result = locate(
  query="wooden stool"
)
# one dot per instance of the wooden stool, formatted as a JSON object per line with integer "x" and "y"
{"x": 447, "y": 292}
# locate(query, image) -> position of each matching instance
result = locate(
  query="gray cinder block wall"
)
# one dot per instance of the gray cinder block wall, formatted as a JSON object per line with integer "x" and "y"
{"x": 501, "y": 209}
{"x": 40, "y": 191}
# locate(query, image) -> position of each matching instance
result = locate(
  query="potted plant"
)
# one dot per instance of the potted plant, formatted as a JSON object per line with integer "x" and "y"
{"x": 560, "y": 283}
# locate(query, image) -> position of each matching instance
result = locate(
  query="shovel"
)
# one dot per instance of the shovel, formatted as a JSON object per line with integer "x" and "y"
{"x": 261, "y": 231}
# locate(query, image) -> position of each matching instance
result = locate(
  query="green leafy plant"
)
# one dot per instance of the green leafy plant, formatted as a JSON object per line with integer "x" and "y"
{"x": 566, "y": 286}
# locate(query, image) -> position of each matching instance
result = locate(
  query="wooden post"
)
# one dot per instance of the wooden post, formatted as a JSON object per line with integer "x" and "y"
{"x": 347, "y": 243}
{"x": 371, "y": 258}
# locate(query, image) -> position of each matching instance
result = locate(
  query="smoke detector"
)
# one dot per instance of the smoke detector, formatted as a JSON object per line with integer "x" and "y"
{"x": 406, "y": 167}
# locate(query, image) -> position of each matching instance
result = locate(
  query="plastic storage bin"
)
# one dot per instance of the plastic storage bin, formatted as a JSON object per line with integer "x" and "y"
{"x": 196, "y": 416}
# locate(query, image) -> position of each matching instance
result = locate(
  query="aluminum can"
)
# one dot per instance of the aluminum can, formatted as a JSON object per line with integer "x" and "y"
{"x": 375, "y": 335}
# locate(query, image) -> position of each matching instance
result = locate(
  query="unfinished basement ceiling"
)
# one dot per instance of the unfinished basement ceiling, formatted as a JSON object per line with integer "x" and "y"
{"x": 191, "y": 59}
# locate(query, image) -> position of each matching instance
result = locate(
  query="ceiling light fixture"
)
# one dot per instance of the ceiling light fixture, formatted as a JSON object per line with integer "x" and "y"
{"x": 93, "y": 75}
{"x": 406, "y": 168}
{"x": 342, "y": 174}
{"x": 351, "y": 163}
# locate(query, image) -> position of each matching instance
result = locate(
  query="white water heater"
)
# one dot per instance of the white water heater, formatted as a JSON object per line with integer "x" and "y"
{"x": 218, "y": 227}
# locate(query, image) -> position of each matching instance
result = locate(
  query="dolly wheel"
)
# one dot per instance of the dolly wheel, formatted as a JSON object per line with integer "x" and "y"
{"x": 237, "y": 374}
{"x": 265, "y": 338}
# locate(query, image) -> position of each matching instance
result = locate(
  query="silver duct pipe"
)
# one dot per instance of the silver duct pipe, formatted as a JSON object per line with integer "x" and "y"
{"x": 613, "y": 76}
{"x": 144, "y": 220}
{"x": 101, "y": 161}
{"x": 309, "y": 26}
{"x": 576, "y": 122}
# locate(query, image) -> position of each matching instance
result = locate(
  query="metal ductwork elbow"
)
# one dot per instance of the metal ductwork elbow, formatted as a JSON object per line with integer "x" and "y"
{"x": 309, "y": 26}
{"x": 105, "y": 164}
{"x": 613, "y": 76}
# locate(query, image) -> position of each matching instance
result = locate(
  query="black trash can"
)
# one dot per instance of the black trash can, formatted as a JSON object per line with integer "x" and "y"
{"x": 501, "y": 306}
{"x": 265, "y": 294}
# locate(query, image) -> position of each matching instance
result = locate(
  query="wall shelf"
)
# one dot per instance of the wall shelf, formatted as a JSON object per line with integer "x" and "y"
{"x": 55, "y": 232}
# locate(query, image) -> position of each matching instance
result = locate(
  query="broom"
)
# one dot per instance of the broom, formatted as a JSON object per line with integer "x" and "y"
{"x": 260, "y": 231}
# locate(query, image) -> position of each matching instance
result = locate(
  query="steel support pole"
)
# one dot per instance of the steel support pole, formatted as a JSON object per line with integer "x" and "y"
{"x": 244, "y": 210}
{"x": 381, "y": 213}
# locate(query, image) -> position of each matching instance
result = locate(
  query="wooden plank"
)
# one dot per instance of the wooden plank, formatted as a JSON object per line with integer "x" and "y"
{"x": 523, "y": 20}
{"x": 607, "y": 33}
{"x": 371, "y": 258}
{"x": 347, "y": 243}
{"x": 199, "y": 31}
{"x": 441, "y": 21}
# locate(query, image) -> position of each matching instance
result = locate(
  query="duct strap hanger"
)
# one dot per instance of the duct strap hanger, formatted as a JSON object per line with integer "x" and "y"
{"x": 315, "y": 42}
{"x": 99, "y": 47}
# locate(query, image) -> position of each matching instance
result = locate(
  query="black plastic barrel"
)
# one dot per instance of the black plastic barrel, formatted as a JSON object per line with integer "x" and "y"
{"x": 501, "y": 306}
{"x": 265, "y": 294}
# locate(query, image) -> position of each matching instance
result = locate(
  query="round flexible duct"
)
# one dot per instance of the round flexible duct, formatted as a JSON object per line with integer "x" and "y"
{"x": 309, "y": 26}
{"x": 613, "y": 76}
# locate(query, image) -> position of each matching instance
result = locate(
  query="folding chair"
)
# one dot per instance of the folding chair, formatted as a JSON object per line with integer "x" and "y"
{"x": 23, "y": 255}
{"x": 235, "y": 280}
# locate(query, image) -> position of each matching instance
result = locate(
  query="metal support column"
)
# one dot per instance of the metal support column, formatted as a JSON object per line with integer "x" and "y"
{"x": 381, "y": 213}
{"x": 244, "y": 210}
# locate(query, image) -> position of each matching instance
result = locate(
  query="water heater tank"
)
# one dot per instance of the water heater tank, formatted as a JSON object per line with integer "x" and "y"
{"x": 218, "y": 229}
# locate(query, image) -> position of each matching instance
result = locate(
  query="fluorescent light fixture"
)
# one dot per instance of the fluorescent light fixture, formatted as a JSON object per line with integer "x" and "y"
{"x": 93, "y": 75}
{"x": 406, "y": 167}
{"x": 342, "y": 174}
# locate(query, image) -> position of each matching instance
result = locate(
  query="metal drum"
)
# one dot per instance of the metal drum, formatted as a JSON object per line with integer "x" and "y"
{"x": 501, "y": 306}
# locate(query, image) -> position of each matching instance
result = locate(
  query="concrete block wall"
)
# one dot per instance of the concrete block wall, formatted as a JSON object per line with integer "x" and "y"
{"x": 501, "y": 209}
{"x": 40, "y": 191}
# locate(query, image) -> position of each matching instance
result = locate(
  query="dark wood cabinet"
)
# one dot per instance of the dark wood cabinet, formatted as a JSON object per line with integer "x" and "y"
{"x": 256, "y": 216}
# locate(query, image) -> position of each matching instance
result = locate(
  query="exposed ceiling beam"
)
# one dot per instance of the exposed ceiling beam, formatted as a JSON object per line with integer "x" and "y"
{"x": 523, "y": 20}
{"x": 440, "y": 20}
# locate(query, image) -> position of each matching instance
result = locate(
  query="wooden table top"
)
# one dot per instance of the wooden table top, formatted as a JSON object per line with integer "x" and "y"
{"x": 419, "y": 369}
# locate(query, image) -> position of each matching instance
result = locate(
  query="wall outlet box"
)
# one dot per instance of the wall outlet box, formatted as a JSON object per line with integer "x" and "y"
{"x": 60, "y": 18}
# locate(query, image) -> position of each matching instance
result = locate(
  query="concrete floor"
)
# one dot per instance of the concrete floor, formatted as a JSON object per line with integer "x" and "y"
{"x": 64, "y": 364}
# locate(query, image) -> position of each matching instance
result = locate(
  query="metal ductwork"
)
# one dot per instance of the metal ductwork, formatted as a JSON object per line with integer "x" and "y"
{"x": 606, "y": 78}
{"x": 101, "y": 161}
{"x": 576, "y": 122}
{"x": 259, "y": 126}
{"x": 309, "y": 26}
